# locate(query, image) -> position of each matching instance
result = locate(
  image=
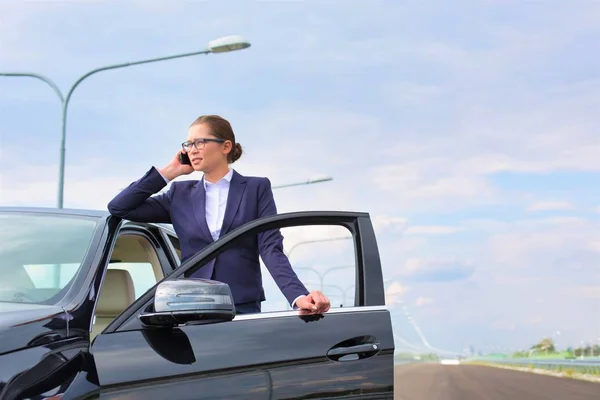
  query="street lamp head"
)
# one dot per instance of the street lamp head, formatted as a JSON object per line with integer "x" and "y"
{"x": 228, "y": 43}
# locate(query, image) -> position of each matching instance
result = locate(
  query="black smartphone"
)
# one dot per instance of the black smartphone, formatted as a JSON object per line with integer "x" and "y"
{"x": 184, "y": 159}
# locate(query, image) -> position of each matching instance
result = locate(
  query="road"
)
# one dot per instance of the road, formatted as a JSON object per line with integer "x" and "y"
{"x": 473, "y": 382}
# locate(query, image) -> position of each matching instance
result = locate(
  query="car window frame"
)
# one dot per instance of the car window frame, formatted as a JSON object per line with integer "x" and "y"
{"x": 363, "y": 235}
{"x": 128, "y": 227}
{"x": 166, "y": 235}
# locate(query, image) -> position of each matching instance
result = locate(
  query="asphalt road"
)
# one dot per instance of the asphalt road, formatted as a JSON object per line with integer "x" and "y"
{"x": 472, "y": 382}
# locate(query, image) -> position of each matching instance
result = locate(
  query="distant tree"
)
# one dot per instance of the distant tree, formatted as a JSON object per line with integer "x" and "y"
{"x": 587, "y": 351}
{"x": 546, "y": 345}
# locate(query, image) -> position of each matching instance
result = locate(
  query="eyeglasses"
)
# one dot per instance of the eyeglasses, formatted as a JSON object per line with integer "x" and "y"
{"x": 199, "y": 143}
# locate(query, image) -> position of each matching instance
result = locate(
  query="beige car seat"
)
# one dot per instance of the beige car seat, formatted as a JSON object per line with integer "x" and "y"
{"x": 116, "y": 295}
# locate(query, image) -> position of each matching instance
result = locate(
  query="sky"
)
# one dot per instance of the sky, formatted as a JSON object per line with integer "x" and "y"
{"x": 468, "y": 130}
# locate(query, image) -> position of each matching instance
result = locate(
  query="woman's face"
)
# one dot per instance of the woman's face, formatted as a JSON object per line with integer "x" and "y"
{"x": 211, "y": 154}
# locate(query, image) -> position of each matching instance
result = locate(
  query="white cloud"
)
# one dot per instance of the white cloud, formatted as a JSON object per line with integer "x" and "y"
{"x": 91, "y": 185}
{"x": 563, "y": 220}
{"x": 550, "y": 206}
{"x": 437, "y": 269}
{"x": 535, "y": 320}
{"x": 418, "y": 184}
{"x": 432, "y": 230}
{"x": 553, "y": 244}
{"x": 384, "y": 224}
{"x": 517, "y": 280}
{"x": 586, "y": 292}
{"x": 395, "y": 292}
{"x": 594, "y": 245}
{"x": 423, "y": 301}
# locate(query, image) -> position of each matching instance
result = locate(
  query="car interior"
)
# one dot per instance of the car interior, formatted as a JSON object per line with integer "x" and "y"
{"x": 118, "y": 291}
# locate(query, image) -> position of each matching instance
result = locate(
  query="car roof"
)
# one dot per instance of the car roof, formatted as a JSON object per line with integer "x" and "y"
{"x": 75, "y": 212}
{"x": 54, "y": 210}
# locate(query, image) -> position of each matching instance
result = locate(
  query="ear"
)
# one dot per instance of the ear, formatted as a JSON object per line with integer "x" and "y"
{"x": 227, "y": 146}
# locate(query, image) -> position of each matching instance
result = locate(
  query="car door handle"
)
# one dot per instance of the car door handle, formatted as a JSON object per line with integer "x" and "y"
{"x": 357, "y": 352}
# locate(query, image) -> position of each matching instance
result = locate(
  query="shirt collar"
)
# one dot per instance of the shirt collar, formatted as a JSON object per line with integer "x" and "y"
{"x": 226, "y": 180}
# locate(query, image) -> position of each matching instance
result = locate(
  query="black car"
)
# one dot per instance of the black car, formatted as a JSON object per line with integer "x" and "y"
{"x": 71, "y": 327}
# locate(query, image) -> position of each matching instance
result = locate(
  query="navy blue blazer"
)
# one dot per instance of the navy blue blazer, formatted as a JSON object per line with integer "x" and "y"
{"x": 183, "y": 206}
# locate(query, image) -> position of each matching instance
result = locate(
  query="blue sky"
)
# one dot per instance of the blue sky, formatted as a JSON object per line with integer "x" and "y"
{"x": 468, "y": 130}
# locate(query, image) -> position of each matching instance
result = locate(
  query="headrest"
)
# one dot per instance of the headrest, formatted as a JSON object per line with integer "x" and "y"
{"x": 116, "y": 294}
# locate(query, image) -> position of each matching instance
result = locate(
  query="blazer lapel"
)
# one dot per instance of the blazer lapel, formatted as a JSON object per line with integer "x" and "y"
{"x": 236, "y": 191}
{"x": 199, "y": 207}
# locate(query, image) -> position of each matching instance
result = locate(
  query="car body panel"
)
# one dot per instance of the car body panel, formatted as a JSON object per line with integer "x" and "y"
{"x": 27, "y": 325}
{"x": 280, "y": 346}
{"x": 49, "y": 368}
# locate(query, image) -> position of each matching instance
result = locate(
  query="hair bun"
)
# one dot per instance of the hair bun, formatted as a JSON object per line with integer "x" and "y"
{"x": 236, "y": 152}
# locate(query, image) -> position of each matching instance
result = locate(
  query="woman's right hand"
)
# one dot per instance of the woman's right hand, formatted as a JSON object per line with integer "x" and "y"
{"x": 175, "y": 168}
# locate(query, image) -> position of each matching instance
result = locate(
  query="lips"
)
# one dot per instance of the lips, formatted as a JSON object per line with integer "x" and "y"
{"x": 197, "y": 159}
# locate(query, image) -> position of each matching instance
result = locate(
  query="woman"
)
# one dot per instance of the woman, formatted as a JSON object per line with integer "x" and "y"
{"x": 203, "y": 210}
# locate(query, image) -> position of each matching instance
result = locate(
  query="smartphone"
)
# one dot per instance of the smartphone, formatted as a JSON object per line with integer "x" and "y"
{"x": 184, "y": 159}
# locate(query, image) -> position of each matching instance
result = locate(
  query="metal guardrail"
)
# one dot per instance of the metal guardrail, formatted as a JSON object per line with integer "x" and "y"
{"x": 576, "y": 365}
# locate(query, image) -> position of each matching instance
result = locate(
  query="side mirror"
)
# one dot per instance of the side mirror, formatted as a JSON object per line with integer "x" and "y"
{"x": 190, "y": 301}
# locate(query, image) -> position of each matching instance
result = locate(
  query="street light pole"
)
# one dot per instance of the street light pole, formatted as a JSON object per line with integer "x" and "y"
{"x": 221, "y": 45}
{"x": 307, "y": 182}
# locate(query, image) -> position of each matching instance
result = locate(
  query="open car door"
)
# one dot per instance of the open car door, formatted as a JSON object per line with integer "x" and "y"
{"x": 344, "y": 353}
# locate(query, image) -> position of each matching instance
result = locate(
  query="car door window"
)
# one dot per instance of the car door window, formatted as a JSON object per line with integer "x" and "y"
{"x": 134, "y": 267}
{"x": 274, "y": 354}
{"x": 323, "y": 257}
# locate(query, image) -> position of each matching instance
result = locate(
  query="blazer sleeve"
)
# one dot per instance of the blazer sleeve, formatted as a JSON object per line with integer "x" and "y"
{"x": 270, "y": 248}
{"x": 135, "y": 204}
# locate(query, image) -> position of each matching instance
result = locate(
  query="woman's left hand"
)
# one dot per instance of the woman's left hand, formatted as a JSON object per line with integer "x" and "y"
{"x": 315, "y": 301}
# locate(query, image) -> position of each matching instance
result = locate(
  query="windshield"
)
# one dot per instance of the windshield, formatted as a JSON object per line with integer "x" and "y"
{"x": 41, "y": 254}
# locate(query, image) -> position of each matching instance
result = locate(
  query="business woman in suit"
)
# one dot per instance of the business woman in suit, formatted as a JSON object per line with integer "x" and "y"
{"x": 203, "y": 210}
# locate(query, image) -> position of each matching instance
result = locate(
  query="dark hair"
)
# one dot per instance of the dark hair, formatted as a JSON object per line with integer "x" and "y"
{"x": 221, "y": 128}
